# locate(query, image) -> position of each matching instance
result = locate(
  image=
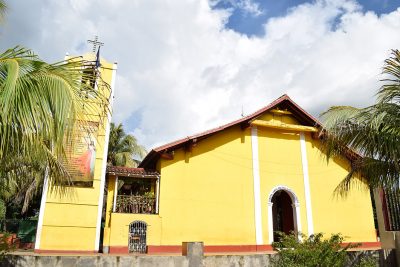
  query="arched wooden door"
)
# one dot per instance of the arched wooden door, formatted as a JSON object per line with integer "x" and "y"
{"x": 282, "y": 212}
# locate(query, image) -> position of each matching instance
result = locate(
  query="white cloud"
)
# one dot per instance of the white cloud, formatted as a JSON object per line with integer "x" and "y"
{"x": 248, "y": 7}
{"x": 182, "y": 71}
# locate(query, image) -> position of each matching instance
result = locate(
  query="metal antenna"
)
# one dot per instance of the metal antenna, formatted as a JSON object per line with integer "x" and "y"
{"x": 95, "y": 43}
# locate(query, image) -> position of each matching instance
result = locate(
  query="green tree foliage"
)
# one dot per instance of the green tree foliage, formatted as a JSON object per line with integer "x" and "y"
{"x": 21, "y": 193}
{"x": 315, "y": 251}
{"x": 2, "y": 209}
{"x": 123, "y": 148}
{"x": 40, "y": 104}
{"x": 373, "y": 132}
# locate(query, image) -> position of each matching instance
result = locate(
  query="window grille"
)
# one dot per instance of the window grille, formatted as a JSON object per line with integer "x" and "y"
{"x": 137, "y": 237}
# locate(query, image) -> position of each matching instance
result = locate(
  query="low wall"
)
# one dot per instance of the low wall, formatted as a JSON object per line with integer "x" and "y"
{"x": 95, "y": 261}
{"x": 136, "y": 261}
{"x": 256, "y": 260}
{"x": 192, "y": 256}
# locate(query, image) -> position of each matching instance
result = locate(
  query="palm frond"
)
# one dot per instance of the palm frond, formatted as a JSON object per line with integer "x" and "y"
{"x": 3, "y": 9}
{"x": 41, "y": 104}
{"x": 373, "y": 132}
{"x": 123, "y": 148}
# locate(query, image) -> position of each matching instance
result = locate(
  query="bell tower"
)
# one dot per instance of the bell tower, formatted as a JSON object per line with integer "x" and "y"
{"x": 71, "y": 213}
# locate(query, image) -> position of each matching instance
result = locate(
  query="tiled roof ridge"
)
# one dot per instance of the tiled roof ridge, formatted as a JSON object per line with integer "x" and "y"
{"x": 245, "y": 118}
{"x": 301, "y": 112}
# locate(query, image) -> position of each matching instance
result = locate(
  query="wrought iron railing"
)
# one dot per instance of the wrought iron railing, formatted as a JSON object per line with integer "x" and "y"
{"x": 136, "y": 204}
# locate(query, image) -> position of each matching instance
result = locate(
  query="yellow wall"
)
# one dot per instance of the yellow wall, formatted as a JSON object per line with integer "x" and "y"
{"x": 70, "y": 213}
{"x": 352, "y": 216}
{"x": 280, "y": 164}
{"x": 207, "y": 194}
{"x": 120, "y": 228}
{"x": 109, "y": 206}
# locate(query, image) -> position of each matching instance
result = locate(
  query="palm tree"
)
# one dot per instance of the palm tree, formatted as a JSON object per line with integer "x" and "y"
{"x": 123, "y": 148}
{"x": 40, "y": 104}
{"x": 373, "y": 132}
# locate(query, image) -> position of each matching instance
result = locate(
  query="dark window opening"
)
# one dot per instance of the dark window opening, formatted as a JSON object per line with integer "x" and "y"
{"x": 282, "y": 213}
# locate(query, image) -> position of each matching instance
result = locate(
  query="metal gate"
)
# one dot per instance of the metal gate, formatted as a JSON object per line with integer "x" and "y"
{"x": 137, "y": 237}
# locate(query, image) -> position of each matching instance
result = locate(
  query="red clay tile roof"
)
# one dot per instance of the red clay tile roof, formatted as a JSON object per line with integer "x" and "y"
{"x": 134, "y": 172}
{"x": 284, "y": 102}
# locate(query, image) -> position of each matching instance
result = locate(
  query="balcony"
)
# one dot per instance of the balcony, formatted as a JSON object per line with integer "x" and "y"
{"x": 136, "y": 204}
{"x": 134, "y": 190}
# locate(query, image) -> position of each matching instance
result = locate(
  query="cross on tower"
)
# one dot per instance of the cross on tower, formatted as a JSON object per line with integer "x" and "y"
{"x": 95, "y": 43}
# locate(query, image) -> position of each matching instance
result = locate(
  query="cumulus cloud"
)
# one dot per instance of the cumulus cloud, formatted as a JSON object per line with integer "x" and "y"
{"x": 182, "y": 71}
{"x": 248, "y": 7}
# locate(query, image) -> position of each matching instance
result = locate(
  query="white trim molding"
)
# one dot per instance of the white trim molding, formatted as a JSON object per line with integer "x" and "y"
{"x": 42, "y": 207}
{"x": 256, "y": 182}
{"x": 104, "y": 163}
{"x": 306, "y": 178}
{"x": 296, "y": 218}
{"x": 296, "y": 212}
{"x": 270, "y": 223}
{"x": 115, "y": 194}
{"x": 157, "y": 193}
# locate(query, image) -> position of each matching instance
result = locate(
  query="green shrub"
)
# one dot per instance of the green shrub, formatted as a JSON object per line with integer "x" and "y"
{"x": 314, "y": 251}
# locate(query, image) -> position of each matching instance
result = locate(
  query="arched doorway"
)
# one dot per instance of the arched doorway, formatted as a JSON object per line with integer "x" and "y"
{"x": 283, "y": 213}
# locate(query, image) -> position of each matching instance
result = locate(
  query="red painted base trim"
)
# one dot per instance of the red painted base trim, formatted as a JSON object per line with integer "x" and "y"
{"x": 177, "y": 249}
{"x": 364, "y": 245}
{"x": 207, "y": 249}
{"x": 164, "y": 249}
{"x": 237, "y": 248}
{"x": 53, "y": 251}
{"x": 119, "y": 250}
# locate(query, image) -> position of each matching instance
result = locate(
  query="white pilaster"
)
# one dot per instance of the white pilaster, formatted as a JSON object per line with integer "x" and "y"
{"x": 256, "y": 182}
{"x": 270, "y": 223}
{"x": 115, "y": 194}
{"x": 306, "y": 178}
{"x": 104, "y": 163}
{"x": 42, "y": 207}
{"x": 297, "y": 220}
{"x": 157, "y": 192}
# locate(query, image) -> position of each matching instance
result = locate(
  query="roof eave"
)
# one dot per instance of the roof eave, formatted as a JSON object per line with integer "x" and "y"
{"x": 154, "y": 154}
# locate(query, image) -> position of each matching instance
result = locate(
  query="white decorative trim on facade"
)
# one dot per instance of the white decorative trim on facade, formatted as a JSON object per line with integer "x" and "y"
{"x": 296, "y": 211}
{"x": 256, "y": 182}
{"x": 157, "y": 193}
{"x": 115, "y": 194}
{"x": 306, "y": 178}
{"x": 42, "y": 206}
{"x": 270, "y": 223}
{"x": 284, "y": 188}
{"x": 104, "y": 163}
{"x": 296, "y": 218}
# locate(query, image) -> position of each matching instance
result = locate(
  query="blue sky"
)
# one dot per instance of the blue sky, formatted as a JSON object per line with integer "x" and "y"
{"x": 252, "y": 24}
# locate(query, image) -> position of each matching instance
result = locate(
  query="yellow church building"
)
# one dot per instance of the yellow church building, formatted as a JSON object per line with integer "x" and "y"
{"x": 232, "y": 187}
